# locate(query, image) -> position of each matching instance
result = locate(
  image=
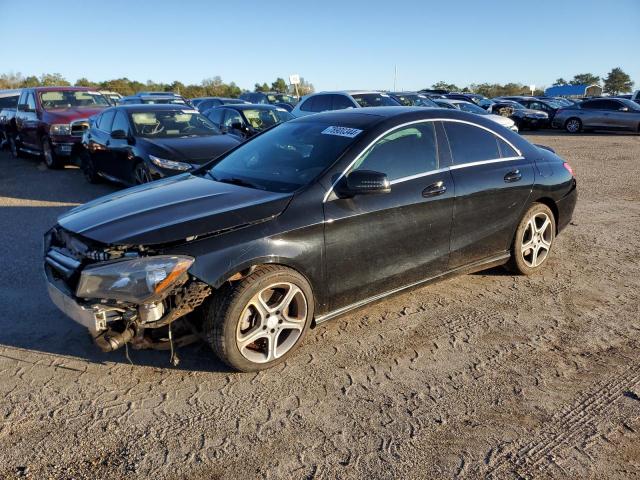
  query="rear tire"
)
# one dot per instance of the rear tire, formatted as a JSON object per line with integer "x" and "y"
{"x": 259, "y": 321}
{"x": 573, "y": 125}
{"x": 51, "y": 160}
{"x": 533, "y": 240}
{"x": 13, "y": 146}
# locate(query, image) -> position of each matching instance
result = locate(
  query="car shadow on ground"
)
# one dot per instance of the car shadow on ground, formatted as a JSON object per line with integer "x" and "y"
{"x": 31, "y": 199}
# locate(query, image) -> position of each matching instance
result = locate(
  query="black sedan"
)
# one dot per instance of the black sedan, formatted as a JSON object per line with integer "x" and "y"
{"x": 305, "y": 222}
{"x": 245, "y": 120}
{"x": 134, "y": 144}
{"x": 413, "y": 99}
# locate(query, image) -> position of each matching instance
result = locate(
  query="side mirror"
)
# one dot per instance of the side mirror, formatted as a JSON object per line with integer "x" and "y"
{"x": 119, "y": 135}
{"x": 364, "y": 182}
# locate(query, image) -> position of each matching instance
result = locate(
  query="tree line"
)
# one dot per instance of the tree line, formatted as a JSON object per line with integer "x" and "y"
{"x": 209, "y": 87}
{"x": 616, "y": 81}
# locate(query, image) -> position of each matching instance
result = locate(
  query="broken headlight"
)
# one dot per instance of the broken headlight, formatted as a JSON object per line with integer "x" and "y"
{"x": 137, "y": 281}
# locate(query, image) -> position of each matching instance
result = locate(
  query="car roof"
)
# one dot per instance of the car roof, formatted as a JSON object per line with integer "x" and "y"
{"x": 10, "y": 93}
{"x": 66, "y": 89}
{"x": 141, "y": 107}
{"x": 349, "y": 92}
{"x": 250, "y": 106}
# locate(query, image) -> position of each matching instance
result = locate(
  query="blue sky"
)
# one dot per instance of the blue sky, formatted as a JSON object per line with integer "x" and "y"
{"x": 333, "y": 44}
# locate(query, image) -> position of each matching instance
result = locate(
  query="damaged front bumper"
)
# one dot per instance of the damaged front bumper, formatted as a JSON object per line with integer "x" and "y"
{"x": 113, "y": 323}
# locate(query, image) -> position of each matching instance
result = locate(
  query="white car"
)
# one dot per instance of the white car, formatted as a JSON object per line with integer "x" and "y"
{"x": 473, "y": 108}
{"x": 340, "y": 100}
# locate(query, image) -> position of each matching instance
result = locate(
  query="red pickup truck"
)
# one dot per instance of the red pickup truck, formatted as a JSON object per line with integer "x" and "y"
{"x": 50, "y": 121}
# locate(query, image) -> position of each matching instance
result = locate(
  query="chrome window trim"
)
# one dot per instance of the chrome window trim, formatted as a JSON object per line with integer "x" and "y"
{"x": 453, "y": 167}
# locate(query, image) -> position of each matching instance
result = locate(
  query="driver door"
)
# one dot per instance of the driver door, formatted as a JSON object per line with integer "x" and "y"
{"x": 377, "y": 243}
{"x": 121, "y": 161}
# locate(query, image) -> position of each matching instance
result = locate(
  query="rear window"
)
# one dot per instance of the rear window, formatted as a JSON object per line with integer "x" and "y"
{"x": 374, "y": 100}
{"x": 9, "y": 102}
{"x": 470, "y": 143}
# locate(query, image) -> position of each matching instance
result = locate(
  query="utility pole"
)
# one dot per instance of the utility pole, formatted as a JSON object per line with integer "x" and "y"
{"x": 395, "y": 78}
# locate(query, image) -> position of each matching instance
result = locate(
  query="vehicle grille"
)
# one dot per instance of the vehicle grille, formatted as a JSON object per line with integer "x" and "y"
{"x": 78, "y": 127}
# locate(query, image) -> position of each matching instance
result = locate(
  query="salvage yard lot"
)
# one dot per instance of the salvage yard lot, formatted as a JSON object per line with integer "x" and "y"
{"x": 482, "y": 375}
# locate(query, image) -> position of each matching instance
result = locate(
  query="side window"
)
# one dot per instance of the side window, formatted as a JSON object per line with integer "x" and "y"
{"x": 9, "y": 102}
{"x": 307, "y": 105}
{"x": 402, "y": 153}
{"x": 340, "y": 102}
{"x": 120, "y": 122}
{"x": 231, "y": 117}
{"x": 470, "y": 143}
{"x": 588, "y": 105}
{"x": 322, "y": 103}
{"x": 31, "y": 101}
{"x": 105, "y": 120}
{"x": 23, "y": 98}
{"x": 506, "y": 150}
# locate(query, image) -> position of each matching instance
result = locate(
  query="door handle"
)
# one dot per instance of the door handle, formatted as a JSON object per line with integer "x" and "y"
{"x": 434, "y": 189}
{"x": 513, "y": 176}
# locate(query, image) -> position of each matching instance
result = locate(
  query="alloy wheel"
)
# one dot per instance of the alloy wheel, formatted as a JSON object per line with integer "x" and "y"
{"x": 536, "y": 240}
{"x": 47, "y": 153}
{"x": 573, "y": 126}
{"x": 271, "y": 322}
{"x": 141, "y": 174}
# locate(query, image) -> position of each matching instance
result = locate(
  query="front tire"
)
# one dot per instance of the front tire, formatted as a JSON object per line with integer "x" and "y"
{"x": 261, "y": 320}
{"x": 533, "y": 240}
{"x": 141, "y": 174}
{"x": 51, "y": 160}
{"x": 573, "y": 125}
{"x": 89, "y": 168}
{"x": 13, "y": 146}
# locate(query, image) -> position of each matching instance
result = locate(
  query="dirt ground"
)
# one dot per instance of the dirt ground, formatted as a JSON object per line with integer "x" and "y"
{"x": 482, "y": 376}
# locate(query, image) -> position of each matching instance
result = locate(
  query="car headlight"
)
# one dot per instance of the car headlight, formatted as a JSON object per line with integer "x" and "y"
{"x": 137, "y": 281}
{"x": 60, "y": 129}
{"x": 170, "y": 164}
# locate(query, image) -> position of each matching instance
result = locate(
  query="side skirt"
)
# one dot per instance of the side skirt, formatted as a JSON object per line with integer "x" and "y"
{"x": 483, "y": 264}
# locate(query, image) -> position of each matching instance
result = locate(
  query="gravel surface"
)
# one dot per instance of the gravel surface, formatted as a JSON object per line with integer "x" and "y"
{"x": 486, "y": 375}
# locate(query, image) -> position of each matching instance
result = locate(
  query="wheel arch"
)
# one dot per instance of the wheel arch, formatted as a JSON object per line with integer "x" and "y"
{"x": 549, "y": 202}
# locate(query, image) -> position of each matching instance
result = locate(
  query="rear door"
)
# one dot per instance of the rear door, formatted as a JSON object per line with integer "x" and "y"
{"x": 492, "y": 183}
{"x": 377, "y": 243}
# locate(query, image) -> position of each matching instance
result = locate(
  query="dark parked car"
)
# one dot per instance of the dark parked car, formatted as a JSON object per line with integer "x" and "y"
{"x": 271, "y": 98}
{"x": 434, "y": 91}
{"x": 305, "y": 222}
{"x": 134, "y": 144}
{"x": 205, "y": 103}
{"x": 246, "y": 120}
{"x": 8, "y": 106}
{"x": 599, "y": 114}
{"x": 412, "y": 99}
{"x": 522, "y": 116}
{"x": 50, "y": 121}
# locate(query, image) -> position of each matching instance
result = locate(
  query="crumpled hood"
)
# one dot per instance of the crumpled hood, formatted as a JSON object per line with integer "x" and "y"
{"x": 194, "y": 150}
{"x": 171, "y": 210}
{"x": 68, "y": 115}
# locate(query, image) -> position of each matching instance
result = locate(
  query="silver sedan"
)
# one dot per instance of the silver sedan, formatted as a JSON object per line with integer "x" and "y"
{"x": 599, "y": 114}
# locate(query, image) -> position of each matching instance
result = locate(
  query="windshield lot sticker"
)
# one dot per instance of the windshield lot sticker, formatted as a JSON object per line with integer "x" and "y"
{"x": 342, "y": 131}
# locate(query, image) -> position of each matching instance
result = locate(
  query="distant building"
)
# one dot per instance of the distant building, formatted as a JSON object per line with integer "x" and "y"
{"x": 574, "y": 91}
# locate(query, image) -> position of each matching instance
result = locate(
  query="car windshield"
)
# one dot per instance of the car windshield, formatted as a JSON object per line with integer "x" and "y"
{"x": 172, "y": 124}
{"x": 471, "y": 108}
{"x": 285, "y": 158}
{"x": 417, "y": 100}
{"x": 283, "y": 98}
{"x": 442, "y": 104}
{"x": 374, "y": 100}
{"x": 59, "y": 99}
{"x": 262, "y": 119}
{"x": 515, "y": 105}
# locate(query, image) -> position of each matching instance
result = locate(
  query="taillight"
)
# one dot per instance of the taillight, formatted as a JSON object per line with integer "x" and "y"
{"x": 569, "y": 169}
